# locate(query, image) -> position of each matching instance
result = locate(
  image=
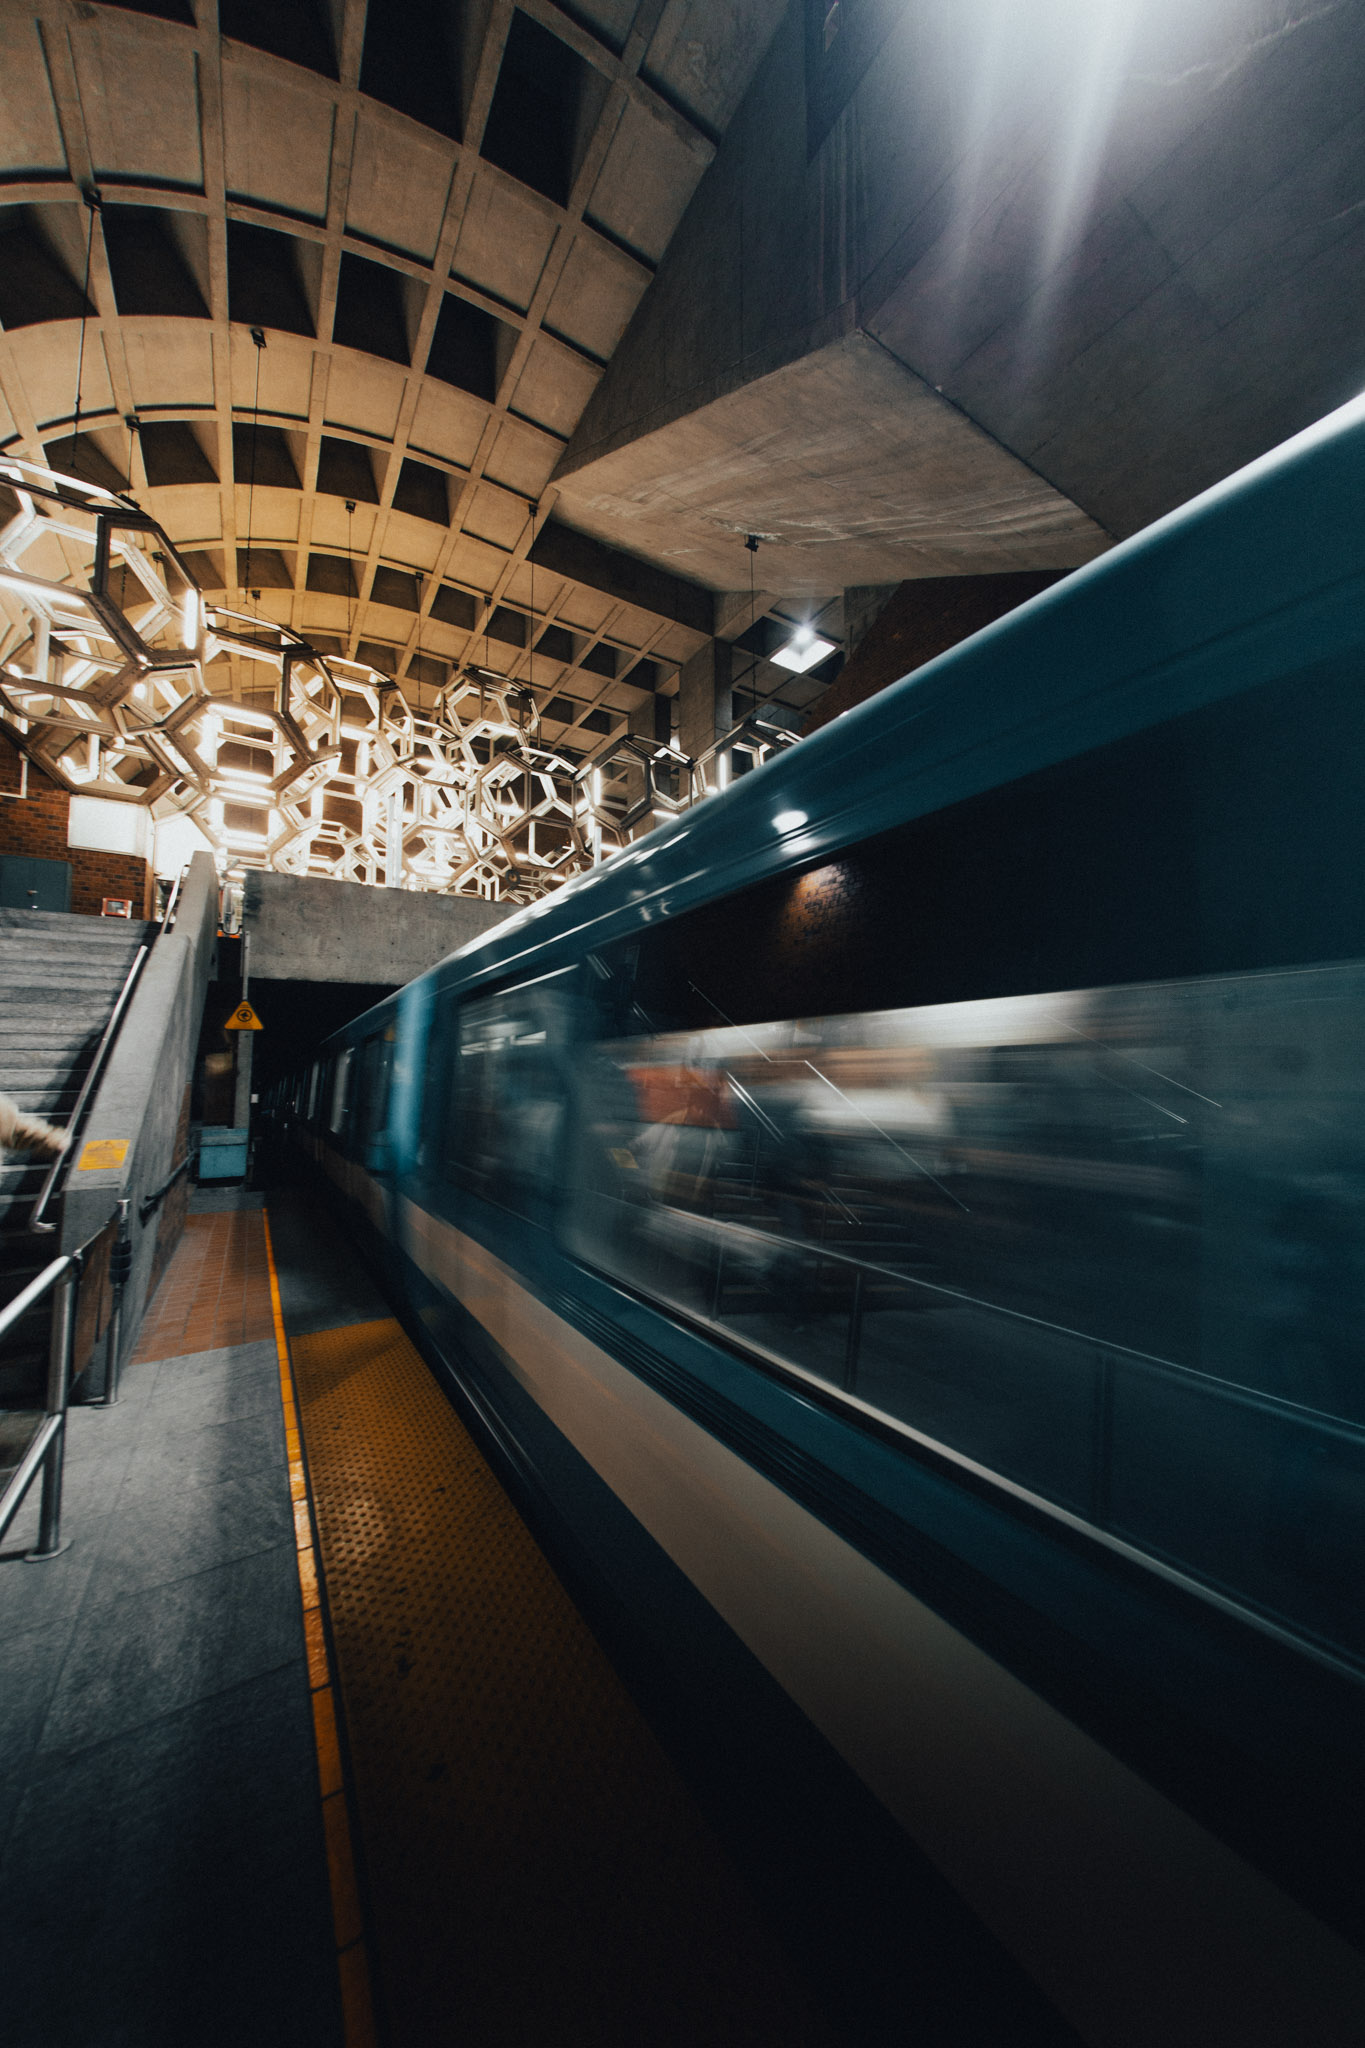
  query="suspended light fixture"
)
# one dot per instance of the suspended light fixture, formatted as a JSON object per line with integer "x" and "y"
{"x": 804, "y": 650}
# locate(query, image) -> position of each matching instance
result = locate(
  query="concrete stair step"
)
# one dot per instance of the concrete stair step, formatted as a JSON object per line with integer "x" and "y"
{"x": 15, "y": 1278}
{"x": 71, "y": 1006}
{"x": 59, "y": 1025}
{"x": 35, "y": 969}
{"x": 22, "y": 1252}
{"x": 68, "y": 1056}
{"x": 14, "y": 1215}
{"x": 46, "y": 947}
{"x": 40, "y": 974}
{"x": 21, "y": 1383}
{"x": 86, "y": 1035}
{"x": 37, "y": 988}
{"x": 92, "y": 997}
{"x": 97, "y": 944}
{"x": 81, "y": 1030}
{"x": 90, "y": 1018}
{"x": 51, "y": 946}
{"x": 64, "y": 1071}
{"x": 76, "y": 1027}
{"x": 23, "y": 994}
{"x": 33, "y": 1096}
{"x": 54, "y": 943}
{"x": 48, "y": 958}
{"x": 19, "y": 1248}
{"x": 20, "y": 1167}
{"x": 33, "y": 982}
{"x": 68, "y": 921}
{"x": 15, "y": 1211}
{"x": 23, "y": 1256}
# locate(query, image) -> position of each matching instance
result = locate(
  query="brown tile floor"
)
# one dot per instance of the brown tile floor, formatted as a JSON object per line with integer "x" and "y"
{"x": 216, "y": 1290}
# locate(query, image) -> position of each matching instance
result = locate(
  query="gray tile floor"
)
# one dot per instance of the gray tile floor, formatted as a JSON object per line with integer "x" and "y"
{"x": 162, "y": 1870}
{"x": 324, "y": 1281}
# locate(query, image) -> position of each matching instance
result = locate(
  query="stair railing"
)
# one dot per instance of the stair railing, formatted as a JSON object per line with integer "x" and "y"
{"x": 61, "y": 1165}
{"x": 47, "y": 1449}
{"x": 173, "y": 901}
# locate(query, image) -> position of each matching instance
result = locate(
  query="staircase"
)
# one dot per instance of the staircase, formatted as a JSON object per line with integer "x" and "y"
{"x": 60, "y": 976}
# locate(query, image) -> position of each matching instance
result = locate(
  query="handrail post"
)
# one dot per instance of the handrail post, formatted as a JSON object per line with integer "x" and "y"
{"x": 120, "y": 1270}
{"x": 60, "y": 1345}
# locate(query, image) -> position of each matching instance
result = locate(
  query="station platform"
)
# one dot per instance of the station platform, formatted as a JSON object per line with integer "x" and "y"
{"x": 304, "y": 1740}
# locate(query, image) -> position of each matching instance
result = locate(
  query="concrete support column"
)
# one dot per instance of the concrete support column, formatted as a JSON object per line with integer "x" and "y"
{"x": 652, "y": 720}
{"x": 241, "y": 1099}
{"x": 704, "y": 702}
{"x": 863, "y": 605}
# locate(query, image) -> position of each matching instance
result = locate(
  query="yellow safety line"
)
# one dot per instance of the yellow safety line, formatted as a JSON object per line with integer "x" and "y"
{"x": 357, "y": 2009}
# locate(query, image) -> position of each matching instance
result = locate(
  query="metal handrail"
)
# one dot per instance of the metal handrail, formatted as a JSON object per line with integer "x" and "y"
{"x": 42, "y": 1283}
{"x": 37, "y": 1221}
{"x": 46, "y": 1452}
{"x": 173, "y": 901}
{"x": 158, "y": 1195}
{"x": 1256, "y": 1398}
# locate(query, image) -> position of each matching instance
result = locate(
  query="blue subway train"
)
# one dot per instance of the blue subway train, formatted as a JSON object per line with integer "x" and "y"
{"x": 900, "y": 1230}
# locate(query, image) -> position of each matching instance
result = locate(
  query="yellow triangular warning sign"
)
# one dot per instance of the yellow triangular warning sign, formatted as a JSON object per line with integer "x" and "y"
{"x": 244, "y": 1018}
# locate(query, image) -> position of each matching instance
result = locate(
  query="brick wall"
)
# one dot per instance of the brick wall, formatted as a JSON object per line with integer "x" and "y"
{"x": 926, "y": 616}
{"x": 37, "y": 827}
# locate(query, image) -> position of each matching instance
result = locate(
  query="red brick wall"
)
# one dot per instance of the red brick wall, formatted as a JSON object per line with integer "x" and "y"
{"x": 37, "y": 827}
{"x": 926, "y": 617}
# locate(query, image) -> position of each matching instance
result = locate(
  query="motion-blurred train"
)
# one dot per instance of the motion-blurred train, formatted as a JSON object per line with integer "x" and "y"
{"x": 900, "y": 1229}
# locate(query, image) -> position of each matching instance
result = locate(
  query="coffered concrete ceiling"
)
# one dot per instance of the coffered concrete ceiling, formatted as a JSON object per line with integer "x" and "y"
{"x": 559, "y": 302}
{"x": 439, "y": 222}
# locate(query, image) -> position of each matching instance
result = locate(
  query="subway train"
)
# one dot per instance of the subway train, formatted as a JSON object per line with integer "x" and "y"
{"x": 899, "y": 1229}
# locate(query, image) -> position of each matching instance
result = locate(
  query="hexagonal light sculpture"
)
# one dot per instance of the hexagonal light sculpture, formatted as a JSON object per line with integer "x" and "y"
{"x": 106, "y": 653}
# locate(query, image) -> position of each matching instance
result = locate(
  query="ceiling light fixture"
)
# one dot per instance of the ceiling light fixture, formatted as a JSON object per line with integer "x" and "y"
{"x": 805, "y": 648}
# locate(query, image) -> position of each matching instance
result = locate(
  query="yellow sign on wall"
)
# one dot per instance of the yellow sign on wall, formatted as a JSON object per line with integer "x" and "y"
{"x": 102, "y": 1152}
{"x": 244, "y": 1018}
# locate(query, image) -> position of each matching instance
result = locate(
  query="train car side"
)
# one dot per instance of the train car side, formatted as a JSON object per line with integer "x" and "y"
{"x": 899, "y": 1230}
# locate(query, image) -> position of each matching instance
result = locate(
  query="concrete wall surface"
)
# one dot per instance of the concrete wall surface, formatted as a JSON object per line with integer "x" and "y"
{"x": 144, "y": 1098}
{"x": 305, "y": 929}
{"x": 1084, "y": 229}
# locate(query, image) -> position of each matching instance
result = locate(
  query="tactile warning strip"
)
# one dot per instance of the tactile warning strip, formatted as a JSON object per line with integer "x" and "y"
{"x": 537, "y": 1871}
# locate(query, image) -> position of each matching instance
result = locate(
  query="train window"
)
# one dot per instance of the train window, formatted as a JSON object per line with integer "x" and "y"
{"x": 341, "y": 1087}
{"x": 506, "y": 1099}
{"x": 1108, "y": 1244}
{"x": 314, "y": 1084}
{"x": 376, "y": 1066}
